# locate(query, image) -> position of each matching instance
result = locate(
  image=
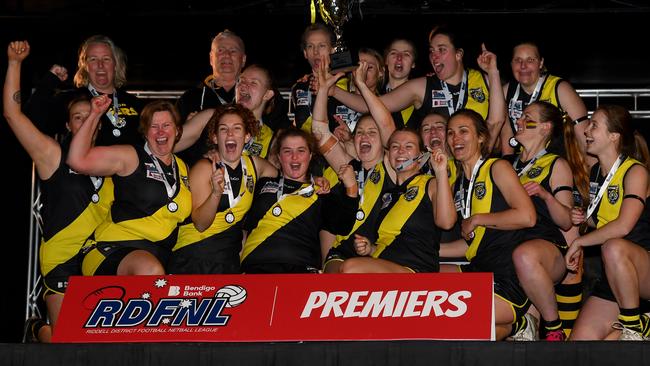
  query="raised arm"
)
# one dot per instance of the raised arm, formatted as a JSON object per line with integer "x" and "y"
{"x": 333, "y": 151}
{"x": 444, "y": 211}
{"x": 192, "y": 129}
{"x": 496, "y": 117}
{"x": 99, "y": 160}
{"x": 44, "y": 151}
{"x": 378, "y": 110}
{"x": 506, "y": 131}
{"x": 407, "y": 94}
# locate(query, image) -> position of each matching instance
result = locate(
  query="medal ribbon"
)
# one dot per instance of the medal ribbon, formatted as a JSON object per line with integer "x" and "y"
{"x": 113, "y": 115}
{"x": 530, "y": 163}
{"x": 466, "y": 201}
{"x": 171, "y": 189}
{"x": 533, "y": 97}
{"x": 232, "y": 200}
{"x": 603, "y": 188}
{"x": 450, "y": 97}
{"x": 280, "y": 196}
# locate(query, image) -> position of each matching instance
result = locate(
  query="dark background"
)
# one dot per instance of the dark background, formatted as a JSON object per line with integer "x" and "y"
{"x": 593, "y": 44}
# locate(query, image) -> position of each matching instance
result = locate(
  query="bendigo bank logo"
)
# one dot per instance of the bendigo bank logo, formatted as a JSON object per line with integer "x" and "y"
{"x": 365, "y": 304}
{"x": 197, "y": 306}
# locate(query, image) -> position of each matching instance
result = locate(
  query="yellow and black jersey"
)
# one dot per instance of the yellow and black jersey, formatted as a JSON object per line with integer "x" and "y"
{"x": 402, "y": 117}
{"x": 489, "y": 250}
{"x": 142, "y": 209}
{"x": 406, "y": 231}
{"x": 260, "y": 145}
{"x": 286, "y": 231}
{"x": 74, "y": 205}
{"x": 609, "y": 207}
{"x": 376, "y": 183}
{"x": 476, "y": 97}
{"x": 540, "y": 172}
{"x": 219, "y": 245}
{"x": 302, "y": 105}
{"x": 548, "y": 93}
{"x": 452, "y": 171}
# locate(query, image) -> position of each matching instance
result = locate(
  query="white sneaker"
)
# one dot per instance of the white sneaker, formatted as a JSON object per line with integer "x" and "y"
{"x": 529, "y": 333}
{"x": 628, "y": 334}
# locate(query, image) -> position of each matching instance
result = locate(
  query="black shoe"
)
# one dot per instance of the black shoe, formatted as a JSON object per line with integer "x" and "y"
{"x": 32, "y": 326}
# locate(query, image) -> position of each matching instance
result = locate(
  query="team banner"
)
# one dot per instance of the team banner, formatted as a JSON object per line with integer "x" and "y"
{"x": 250, "y": 308}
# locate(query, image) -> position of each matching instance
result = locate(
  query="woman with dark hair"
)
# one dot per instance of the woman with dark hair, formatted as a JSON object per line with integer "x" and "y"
{"x": 493, "y": 206}
{"x": 453, "y": 87}
{"x": 222, "y": 193}
{"x": 286, "y": 215}
{"x": 151, "y": 191}
{"x": 400, "y": 56}
{"x": 547, "y": 178}
{"x": 618, "y": 213}
{"x": 73, "y": 204}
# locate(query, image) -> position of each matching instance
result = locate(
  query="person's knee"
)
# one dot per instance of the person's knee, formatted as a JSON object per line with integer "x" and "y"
{"x": 351, "y": 265}
{"x": 614, "y": 250}
{"x": 524, "y": 257}
{"x": 140, "y": 263}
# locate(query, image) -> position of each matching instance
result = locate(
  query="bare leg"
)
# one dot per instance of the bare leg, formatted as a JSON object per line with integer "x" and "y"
{"x": 627, "y": 266}
{"x": 140, "y": 262}
{"x": 595, "y": 320}
{"x": 539, "y": 266}
{"x": 504, "y": 317}
{"x": 371, "y": 265}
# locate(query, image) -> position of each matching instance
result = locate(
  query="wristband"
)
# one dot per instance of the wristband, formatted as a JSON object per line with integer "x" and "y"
{"x": 328, "y": 145}
{"x": 578, "y": 120}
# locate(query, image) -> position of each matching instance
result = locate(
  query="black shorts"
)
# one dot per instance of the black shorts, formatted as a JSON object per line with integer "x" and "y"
{"x": 508, "y": 289}
{"x": 270, "y": 268}
{"x": 203, "y": 258}
{"x": 104, "y": 258}
{"x": 56, "y": 281}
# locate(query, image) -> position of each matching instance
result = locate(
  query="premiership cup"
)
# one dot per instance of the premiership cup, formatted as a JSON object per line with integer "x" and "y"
{"x": 335, "y": 13}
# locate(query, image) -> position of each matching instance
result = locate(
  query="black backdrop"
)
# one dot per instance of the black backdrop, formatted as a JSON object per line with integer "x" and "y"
{"x": 167, "y": 50}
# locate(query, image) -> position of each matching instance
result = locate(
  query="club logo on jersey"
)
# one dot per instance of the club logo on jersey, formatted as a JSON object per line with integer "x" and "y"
{"x": 612, "y": 194}
{"x": 184, "y": 306}
{"x": 186, "y": 181}
{"x": 534, "y": 172}
{"x": 411, "y": 193}
{"x": 374, "y": 177}
{"x": 477, "y": 94}
{"x": 386, "y": 199}
{"x": 479, "y": 190}
{"x": 255, "y": 148}
{"x": 250, "y": 185}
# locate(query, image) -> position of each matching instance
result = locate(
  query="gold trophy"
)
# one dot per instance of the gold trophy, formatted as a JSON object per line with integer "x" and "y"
{"x": 335, "y": 13}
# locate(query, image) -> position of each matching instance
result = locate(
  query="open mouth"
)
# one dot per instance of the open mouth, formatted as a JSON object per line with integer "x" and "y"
{"x": 231, "y": 146}
{"x": 438, "y": 67}
{"x": 364, "y": 147}
{"x": 435, "y": 143}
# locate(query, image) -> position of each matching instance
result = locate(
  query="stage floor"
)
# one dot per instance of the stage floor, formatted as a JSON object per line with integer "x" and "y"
{"x": 329, "y": 353}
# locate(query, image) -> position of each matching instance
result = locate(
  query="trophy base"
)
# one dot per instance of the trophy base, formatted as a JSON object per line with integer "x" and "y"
{"x": 342, "y": 61}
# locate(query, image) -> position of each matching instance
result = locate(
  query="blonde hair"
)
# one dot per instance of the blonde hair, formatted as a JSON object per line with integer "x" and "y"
{"x": 81, "y": 78}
